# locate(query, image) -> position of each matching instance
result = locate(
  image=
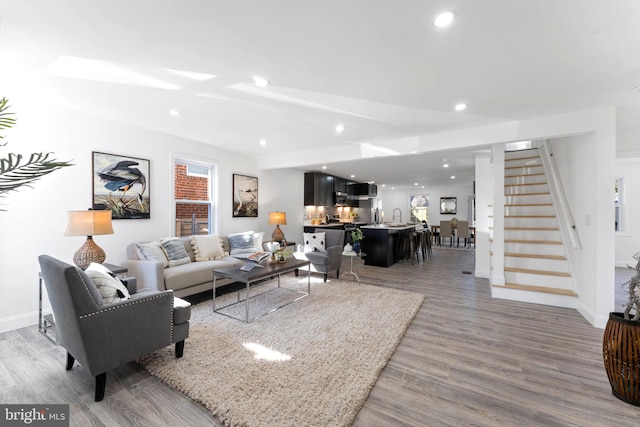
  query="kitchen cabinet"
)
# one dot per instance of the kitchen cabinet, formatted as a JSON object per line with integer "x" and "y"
{"x": 318, "y": 189}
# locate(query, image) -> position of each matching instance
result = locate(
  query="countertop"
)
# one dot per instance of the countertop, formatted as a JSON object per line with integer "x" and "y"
{"x": 389, "y": 227}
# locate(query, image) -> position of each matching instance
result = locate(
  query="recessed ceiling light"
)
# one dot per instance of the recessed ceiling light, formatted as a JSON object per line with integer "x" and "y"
{"x": 353, "y": 176}
{"x": 415, "y": 183}
{"x": 324, "y": 166}
{"x": 260, "y": 81}
{"x": 453, "y": 177}
{"x": 174, "y": 113}
{"x": 339, "y": 129}
{"x": 263, "y": 142}
{"x": 461, "y": 107}
{"x": 384, "y": 185}
{"x": 444, "y": 19}
{"x": 446, "y": 165}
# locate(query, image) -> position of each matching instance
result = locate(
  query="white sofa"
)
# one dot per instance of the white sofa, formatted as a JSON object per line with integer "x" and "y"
{"x": 186, "y": 279}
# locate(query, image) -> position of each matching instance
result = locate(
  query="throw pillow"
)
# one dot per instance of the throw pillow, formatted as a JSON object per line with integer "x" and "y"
{"x": 241, "y": 243}
{"x": 109, "y": 286}
{"x": 174, "y": 250}
{"x": 257, "y": 240}
{"x": 152, "y": 251}
{"x": 206, "y": 247}
{"x": 314, "y": 242}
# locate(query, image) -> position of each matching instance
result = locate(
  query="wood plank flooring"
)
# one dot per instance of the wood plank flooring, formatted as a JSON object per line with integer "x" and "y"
{"x": 466, "y": 360}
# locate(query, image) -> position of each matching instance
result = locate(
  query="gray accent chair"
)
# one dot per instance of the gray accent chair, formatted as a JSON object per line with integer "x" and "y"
{"x": 101, "y": 336}
{"x": 325, "y": 262}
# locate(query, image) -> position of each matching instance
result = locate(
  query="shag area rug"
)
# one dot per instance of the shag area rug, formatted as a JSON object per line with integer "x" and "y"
{"x": 311, "y": 363}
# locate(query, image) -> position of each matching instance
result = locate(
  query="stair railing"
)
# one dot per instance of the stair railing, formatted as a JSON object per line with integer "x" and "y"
{"x": 565, "y": 219}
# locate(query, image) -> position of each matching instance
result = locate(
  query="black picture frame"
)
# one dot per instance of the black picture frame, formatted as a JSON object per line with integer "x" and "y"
{"x": 121, "y": 184}
{"x": 448, "y": 205}
{"x": 245, "y": 196}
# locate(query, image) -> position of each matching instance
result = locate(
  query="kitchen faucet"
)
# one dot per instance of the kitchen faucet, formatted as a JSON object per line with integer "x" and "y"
{"x": 399, "y": 215}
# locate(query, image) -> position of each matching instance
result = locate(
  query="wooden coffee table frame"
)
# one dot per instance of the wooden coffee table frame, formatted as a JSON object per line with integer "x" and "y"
{"x": 257, "y": 274}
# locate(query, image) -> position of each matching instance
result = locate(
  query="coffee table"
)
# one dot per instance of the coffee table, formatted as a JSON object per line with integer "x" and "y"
{"x": 269, "y": 269}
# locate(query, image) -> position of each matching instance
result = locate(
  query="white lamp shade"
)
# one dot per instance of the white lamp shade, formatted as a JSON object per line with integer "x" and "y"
{"x": 88, "y": 223}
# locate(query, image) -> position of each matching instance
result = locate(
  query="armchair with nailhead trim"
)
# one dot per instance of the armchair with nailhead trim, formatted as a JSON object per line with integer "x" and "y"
{"x": 104, "y": 336}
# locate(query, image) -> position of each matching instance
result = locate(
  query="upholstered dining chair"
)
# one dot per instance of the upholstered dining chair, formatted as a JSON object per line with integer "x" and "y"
{"x": 446, "y": 232}
{"x": 102, "y": 336}
{"x": 462, "y": 232}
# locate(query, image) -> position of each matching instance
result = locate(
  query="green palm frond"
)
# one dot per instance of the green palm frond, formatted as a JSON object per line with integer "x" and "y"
{"x": 14, "y": 171}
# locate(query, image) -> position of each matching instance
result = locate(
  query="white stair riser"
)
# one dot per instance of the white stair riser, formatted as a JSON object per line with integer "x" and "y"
{"x": 525, "y": 179}
{"x": 519, "y": 154}
{"x": 526, "y": 189}
{"x": 529, "y": 210}
{"x": 530, "y": 222}
{"x": 523, "y": 170}
{"x": 537, "y": 264}
{"x": 536, "y": 198}
{"x": 509, "y": 163}
{"x": 533, "y": 248}
{"x": 538, "y": 280}
{"x": 532, "y": 235}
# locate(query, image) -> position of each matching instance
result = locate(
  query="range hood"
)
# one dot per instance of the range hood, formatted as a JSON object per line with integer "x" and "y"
{"x": 364, "y": 189}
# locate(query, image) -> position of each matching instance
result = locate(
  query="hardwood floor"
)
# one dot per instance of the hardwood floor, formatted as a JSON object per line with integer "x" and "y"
{"x": 466, "y": 359}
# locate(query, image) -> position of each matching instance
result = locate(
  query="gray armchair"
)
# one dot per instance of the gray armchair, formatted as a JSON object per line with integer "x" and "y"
{"x": 104, "y": 336}
{"x": 324, "y": 262}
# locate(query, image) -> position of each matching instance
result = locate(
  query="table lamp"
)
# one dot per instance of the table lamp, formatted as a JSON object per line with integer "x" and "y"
{"x": 277, "y": 219}
{"x": 88, "y": 223}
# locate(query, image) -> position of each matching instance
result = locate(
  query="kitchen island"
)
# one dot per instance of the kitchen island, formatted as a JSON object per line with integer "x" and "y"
{"x": 380, "y": 241}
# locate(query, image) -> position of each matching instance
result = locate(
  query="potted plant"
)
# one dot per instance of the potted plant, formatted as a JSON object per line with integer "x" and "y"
{"x": 357, "y": 235}
{"x": 621, "y": 344}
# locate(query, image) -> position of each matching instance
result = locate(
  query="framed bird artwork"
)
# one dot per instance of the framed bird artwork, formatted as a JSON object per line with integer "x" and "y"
{"x": 245, "y": 196}
{"x": 121, "y": 184}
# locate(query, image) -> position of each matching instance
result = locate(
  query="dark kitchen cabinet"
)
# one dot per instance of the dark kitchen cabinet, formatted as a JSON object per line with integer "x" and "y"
{"x": 339, "y": 185}
{"x": 318, "y": 189}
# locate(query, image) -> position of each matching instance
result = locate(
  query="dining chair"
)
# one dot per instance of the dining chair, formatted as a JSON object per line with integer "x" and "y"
{"x": 462, "y": 232}
{"x": 446, "y": 231}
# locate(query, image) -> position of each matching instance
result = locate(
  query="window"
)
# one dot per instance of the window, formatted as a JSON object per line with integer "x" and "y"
{"x": 193, "y": 190}
{"x": 619, "y": 204}
{"x": 419, "y": 208}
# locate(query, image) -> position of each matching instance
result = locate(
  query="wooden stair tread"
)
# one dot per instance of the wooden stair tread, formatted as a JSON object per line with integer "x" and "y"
{"x": 521, "y": 158}
{"x": 519, "y": 185}
{"x": 541, "y": 272}
{"x": 542, "y": 289}
{"x": 533, "y": 228}
{"x": 529, "y": 194}
{"x": 528, "y": 204}
{"x": 534, "y": 242}
{"x": 538, "y": 256}
{"x": 524, "y": 174}
{"x": 529, "y": 216}
{"x": 537, "y": 165}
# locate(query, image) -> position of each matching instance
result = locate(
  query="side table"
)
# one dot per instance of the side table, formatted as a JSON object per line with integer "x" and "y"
{"x": 46, "y": 321}
{"x": 351, "y": 256}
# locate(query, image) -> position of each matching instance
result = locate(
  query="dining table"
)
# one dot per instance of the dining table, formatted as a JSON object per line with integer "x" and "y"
{"x": 435, "y": 228}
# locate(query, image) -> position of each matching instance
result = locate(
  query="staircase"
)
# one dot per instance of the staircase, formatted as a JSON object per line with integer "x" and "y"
{"x": 534, "y": 255}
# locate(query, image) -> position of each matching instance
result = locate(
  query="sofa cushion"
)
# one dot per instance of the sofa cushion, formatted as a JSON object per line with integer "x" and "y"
{"x": 175, "y": 251}
{"x": 152, "y": 251}
{"x": 242, "y": 242}
{"x": 196, "y": 273}
{"x": 207, "y": 247}
{"x": 314, "y": 242}
{"x": 110, "y": 287}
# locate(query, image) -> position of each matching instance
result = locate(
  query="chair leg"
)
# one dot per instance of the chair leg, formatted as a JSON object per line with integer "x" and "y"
{"x": 179, "y": 349}
{"x": 337, "y": 273}
{"x": 101, "y": 383}
{"x": 326, "y": 276}
{"x": 70, "y": 360}
{"x": 296, "y": 272}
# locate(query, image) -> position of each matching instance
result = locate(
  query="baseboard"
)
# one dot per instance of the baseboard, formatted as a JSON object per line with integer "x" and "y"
{"x": 20, "y": 321}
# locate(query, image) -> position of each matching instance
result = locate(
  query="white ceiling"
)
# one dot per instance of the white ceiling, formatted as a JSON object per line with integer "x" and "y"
{"x": 380, "y": 68}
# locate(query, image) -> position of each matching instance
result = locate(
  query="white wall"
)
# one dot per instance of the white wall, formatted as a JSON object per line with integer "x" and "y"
{"x": 392, "y": 199}
{"x": 627, "y": 240}
{"x": 35, "y": 219}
